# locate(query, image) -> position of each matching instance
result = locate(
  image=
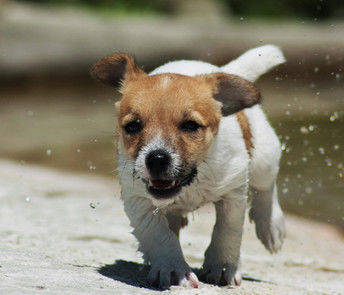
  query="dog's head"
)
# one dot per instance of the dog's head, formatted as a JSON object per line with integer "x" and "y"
{"x": 168, "y": 121}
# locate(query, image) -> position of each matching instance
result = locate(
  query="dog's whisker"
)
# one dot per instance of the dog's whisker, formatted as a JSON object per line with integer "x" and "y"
{"x": 125, "y": 166}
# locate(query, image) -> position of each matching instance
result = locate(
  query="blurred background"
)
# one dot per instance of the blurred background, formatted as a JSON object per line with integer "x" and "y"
{"x": 53, "y": 114}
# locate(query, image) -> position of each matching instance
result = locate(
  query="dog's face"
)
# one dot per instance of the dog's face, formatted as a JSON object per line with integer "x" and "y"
{"x": 168, "y": 121}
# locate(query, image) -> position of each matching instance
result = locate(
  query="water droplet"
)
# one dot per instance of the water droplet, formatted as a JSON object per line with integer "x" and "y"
{"x": 27, "y": 199}
{"x": 304, "y": 130}
{"x": 304, "y": 159}
{"x": 321, "y": 150}
{"x": 283, "y": 146}
{"x": 316, "y": 69}
{"x": 284, "y": 191}
{"x": 78, "y": 150}
{"x": 48, "y": 152}
{"x": 334, "y": 117}
{"x": 311, "y": 128}
{"x": 91, "y": 166}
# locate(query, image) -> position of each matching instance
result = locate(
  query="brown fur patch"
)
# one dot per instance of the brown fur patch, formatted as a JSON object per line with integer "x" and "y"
{"x": 234, "y": 93}
{"x": 162, "y": 103}
{"x": 113, "y": 70}
{"x": 163, "y": 106}
{"x": 246, "y": 131}
{"x": 184, "y": 221}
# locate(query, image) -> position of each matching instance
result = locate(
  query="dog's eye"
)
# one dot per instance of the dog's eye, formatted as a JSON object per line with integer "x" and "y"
{"x": 189, "y": 126}
{"x": 133, "y": 127}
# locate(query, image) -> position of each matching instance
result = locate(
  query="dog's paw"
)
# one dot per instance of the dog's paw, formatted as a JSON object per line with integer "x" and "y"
{"x": 164, "y": 274}
{"x": 221, "y": 274}
{"x": 271, "y": 232}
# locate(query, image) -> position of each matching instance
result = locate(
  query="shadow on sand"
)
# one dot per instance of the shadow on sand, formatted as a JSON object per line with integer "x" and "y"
{"x": 131, "y": 273}
{"x": 135, "y": 274}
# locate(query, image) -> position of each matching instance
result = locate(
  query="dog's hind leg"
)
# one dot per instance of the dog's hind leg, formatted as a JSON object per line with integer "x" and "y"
{"x": 267, "y": 214}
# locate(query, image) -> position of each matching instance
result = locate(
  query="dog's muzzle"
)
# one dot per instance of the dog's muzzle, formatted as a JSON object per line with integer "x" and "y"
{"x": 163, "y": 181}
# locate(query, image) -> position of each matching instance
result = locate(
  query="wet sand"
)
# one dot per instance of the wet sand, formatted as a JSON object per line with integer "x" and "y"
{"x": 63, "y": 233}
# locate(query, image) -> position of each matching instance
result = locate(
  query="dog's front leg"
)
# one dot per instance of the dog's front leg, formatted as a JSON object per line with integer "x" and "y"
{"x": 222, "y": 258}
{"x": 159, "y": 245}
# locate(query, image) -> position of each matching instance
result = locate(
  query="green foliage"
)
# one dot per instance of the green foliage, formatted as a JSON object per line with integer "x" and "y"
{"x": 312, "y": 9}
{"x": 122, "y": 6}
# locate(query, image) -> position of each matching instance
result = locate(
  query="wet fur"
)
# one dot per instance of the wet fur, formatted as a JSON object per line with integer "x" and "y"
{"x": 233, "y": 154}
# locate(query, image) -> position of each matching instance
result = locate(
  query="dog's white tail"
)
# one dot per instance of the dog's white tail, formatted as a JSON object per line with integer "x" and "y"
{"x": 255, "y": 62}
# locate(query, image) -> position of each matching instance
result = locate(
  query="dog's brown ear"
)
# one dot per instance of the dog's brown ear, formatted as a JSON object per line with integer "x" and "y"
{"x": 115, "y": 69}
{"x": 234, "y": 92}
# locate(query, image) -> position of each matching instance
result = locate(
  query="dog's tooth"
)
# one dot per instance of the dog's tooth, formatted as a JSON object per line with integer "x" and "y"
{"x": 173, "y": 183}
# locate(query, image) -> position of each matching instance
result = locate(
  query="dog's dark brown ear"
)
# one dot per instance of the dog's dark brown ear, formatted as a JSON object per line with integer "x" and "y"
{"x": 115, "y": 69}
{"x": 234, "y": 93}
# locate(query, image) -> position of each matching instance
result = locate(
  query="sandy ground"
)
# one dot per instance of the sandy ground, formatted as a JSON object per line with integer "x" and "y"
{"x": 64, "y": 233}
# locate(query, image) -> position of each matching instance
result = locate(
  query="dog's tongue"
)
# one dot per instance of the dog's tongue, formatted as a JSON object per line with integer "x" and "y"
{"x": 160, "y": 183}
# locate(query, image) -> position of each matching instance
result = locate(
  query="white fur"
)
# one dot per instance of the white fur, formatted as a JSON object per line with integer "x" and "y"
{"x": 250, "y": 66}
{"x": 223, "y": 177}
{"x": 255, "y": 62}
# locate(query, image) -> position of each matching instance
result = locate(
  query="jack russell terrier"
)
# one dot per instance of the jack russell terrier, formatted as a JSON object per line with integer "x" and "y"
{"x": 191, "y": 133}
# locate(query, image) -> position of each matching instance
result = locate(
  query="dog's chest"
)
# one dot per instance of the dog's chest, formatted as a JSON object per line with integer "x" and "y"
{"x": 224, "y": 170}
{"x": 194, "y": 196}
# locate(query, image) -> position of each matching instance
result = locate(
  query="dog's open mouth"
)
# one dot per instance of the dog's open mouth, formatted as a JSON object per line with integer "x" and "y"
{"x": 167, "y": 188}
{"x": 163, "y": 189}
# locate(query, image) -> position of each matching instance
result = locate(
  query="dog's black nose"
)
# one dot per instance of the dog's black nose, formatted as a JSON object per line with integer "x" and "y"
{"x": 157, "y": 162}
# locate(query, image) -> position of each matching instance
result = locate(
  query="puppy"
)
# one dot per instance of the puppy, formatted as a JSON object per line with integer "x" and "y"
{"x": 191, "y": 133}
